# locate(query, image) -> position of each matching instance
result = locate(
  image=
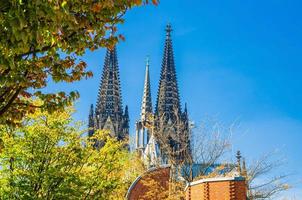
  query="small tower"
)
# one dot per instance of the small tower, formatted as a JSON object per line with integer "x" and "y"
{"x": 145, "y": 143}
{"x": 109, "y": 113}
{"x": 146, "y": 108}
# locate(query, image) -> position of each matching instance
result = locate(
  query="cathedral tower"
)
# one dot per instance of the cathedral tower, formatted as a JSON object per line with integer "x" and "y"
{"x": 166, "y": 131}
{"x": 109, "y": 114}
{"x": 171, "y": 124}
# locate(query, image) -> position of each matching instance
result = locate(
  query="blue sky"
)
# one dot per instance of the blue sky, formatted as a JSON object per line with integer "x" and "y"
{"x": 235, "y": 60}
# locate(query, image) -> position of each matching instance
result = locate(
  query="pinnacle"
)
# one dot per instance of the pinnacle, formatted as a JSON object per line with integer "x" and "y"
{"x": 146, "y": 102}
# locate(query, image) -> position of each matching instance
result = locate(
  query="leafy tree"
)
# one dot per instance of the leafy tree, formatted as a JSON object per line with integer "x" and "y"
{"x": 40, "y": 41}
{"x": 50, "y": 158}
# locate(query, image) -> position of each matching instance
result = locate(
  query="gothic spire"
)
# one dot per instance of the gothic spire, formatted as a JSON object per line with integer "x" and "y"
{"x": 109, "y": 99}
{"x": 168, "y": 96}
{"x": 146, "y": 102}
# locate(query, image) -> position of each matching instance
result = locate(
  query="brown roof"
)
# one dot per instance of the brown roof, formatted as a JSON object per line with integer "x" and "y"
{"x": 150, "y": 185}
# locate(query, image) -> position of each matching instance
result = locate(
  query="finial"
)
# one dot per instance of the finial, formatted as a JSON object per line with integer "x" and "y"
{"x": 168, "y": 30}
{"x": 148, "y": 61}
{"x": 238, "y": 156}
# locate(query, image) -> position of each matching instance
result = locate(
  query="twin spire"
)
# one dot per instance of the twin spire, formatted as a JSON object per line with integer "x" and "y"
{"x": 167, "y": 105}
{"x": 108, "y": 113}
{"x": 168, "y": 100}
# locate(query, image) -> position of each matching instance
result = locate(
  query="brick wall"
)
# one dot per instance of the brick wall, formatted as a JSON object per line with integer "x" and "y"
{"x": 217, "y": 189}
{"x": 154, "y": 183}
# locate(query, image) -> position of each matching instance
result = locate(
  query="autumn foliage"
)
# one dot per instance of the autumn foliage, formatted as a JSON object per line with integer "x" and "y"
{"x": 49, "y": 157}
{"x": 40, "y": 41}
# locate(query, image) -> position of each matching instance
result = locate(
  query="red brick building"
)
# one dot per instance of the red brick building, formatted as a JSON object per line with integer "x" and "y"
{"x": 224, "y": 188}
{"x": 219, "y": 188}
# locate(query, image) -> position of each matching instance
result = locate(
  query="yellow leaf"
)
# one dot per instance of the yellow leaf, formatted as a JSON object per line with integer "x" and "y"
{"x": 63, "y": 3}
